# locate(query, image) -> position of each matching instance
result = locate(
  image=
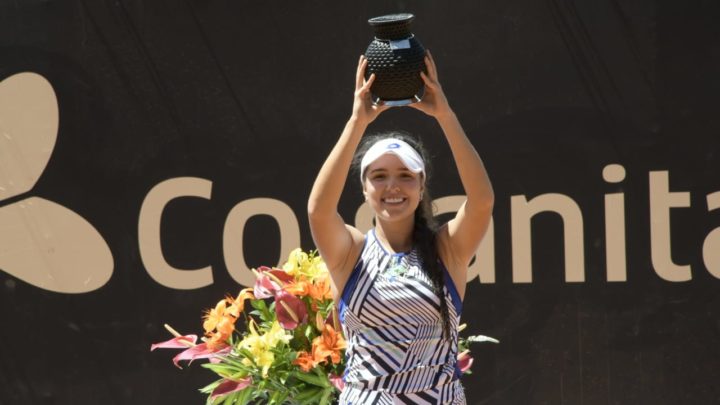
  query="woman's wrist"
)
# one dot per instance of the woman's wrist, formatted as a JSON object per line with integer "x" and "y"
{"x": 358, "y": 120}
{"x": 357, "y": 124}
{"x": 445, "y": 115}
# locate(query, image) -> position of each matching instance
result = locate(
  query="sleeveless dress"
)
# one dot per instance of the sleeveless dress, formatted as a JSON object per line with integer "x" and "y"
{"x": 391, "y": 320}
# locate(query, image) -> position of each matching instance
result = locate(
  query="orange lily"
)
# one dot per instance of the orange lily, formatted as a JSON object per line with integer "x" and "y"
{"x": 237, "y": 305}
{"x": 226, "y": 326}
{"x": 320, "y": 289}
{"x": 329, "y": 344}
{"x": 299, "y": 288}
{"x": 214, "y": 316}
{"x": 218, "y": 339}
{"x": 305, "y": 360}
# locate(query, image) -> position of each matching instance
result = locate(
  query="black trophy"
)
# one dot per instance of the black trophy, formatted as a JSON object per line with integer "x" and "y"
{"x": 396, "y": 57}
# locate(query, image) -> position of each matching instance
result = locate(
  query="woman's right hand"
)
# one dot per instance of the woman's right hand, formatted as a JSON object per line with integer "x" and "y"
{"x": 363, "y": 108}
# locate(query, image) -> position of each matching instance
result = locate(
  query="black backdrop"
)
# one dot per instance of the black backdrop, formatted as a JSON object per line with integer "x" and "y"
{"x": 250, "y": 96}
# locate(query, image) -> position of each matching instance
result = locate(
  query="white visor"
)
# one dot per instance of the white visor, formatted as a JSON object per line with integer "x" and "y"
{"x": 408, "y": 156}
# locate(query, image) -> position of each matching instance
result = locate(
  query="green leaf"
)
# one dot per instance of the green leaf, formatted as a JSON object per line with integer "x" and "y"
{"x": 309, "y": 396}
{"x": 279, "y": 397}
{"x": 309, "y": 333}
{"x": 314, "y": 379}
{"x": 210, "y": 387}
{"x": 258, "y": 304}
{"x": 230, "y": 398}
{"x": 245, "y": 395}
{"x": 325, "y": 400}
{"x": 226, "y": 370}
{"x": 236, "y": 360}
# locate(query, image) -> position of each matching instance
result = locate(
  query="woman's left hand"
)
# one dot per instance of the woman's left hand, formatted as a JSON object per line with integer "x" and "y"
{"x": 434, "y": 103}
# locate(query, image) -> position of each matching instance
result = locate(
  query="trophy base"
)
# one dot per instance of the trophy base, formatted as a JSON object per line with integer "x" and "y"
{"x": 396, "y": 103}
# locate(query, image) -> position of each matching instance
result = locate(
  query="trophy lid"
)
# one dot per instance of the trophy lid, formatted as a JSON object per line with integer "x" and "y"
{"x": 391, "y": 19}
{"x": 392, "y": 26}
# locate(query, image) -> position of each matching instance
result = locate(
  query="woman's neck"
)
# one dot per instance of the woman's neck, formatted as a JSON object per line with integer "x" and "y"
{"x": 396, "y": 236}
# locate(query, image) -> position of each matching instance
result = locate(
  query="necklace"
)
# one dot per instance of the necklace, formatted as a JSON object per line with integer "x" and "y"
{"x": 397, "y": 269}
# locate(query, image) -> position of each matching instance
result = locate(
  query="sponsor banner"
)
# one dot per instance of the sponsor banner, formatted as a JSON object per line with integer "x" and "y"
{"x": 152, "y": 155}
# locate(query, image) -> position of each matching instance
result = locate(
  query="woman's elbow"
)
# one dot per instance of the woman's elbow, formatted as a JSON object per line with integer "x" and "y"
{"x": 487, "y": 201}
{"x": 316, "y": 211}
{"x": 490, "y": 200}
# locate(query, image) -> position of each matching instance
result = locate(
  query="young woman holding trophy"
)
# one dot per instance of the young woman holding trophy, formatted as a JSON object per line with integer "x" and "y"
{"x": 400, "y": 287}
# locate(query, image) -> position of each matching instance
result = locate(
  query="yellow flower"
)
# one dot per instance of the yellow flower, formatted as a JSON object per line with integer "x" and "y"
{"x": 303, "y": 266}
{"x": 276, "y": 334}
{"x": 260, "y": 346}
{"x": 294, "y": 262}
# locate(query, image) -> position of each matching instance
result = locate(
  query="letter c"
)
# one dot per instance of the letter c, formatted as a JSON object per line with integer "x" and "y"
{"x": 149, "y": 238}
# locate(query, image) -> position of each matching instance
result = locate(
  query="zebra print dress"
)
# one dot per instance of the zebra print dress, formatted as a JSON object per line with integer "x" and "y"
{"x": 391, "y": 320}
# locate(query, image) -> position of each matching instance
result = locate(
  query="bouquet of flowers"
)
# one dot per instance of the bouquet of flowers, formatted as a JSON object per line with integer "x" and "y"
{"x": 292, "y": 348}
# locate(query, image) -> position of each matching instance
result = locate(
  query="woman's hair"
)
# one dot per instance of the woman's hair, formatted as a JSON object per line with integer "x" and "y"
{"x": 425, "y": 230}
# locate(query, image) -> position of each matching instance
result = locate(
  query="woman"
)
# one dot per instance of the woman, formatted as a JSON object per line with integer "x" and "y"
{"x": 400, "y": 287}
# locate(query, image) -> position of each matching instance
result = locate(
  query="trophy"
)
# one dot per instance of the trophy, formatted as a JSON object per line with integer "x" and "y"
{"x": 396, "y": 58}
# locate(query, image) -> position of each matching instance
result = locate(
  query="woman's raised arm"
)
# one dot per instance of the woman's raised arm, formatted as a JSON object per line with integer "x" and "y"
{"x": 333, "y": 238}
{"x": 464, "y": 232}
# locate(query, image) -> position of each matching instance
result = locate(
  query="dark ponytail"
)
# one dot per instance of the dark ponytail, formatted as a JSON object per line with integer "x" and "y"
{"x": 424, "y": 234}
{"x": 425, "y": 240}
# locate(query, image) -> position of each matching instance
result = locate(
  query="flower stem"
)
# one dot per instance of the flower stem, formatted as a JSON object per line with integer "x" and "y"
{"x": 177, "y": 335}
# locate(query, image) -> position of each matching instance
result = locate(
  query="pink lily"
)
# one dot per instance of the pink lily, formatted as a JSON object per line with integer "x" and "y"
{"x": 192, "y": 351}
{"x": 229, "y": 386}
{"x": 336, "y": 381}
{"x": 200, "y": 351}
{"x": 179, "y": 342}
{"x": 269, "y": 281}
{"x": 465, "y": 361}
{"x": 290, "y": 310}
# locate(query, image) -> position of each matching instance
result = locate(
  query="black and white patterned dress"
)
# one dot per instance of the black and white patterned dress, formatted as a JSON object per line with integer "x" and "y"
{"x": 391, "y": 320}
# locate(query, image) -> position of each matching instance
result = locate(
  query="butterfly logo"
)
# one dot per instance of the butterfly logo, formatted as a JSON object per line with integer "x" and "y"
{"x": 41, "y": 242}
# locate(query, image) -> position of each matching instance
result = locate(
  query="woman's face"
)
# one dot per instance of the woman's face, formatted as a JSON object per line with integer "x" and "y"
{"x": 392, "y": 190}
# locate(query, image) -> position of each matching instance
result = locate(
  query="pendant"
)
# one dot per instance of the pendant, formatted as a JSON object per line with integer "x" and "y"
{"x": 397, "y": 270}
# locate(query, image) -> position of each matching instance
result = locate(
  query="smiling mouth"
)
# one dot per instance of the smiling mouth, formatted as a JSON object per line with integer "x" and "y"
{"x": 394, "y": 200}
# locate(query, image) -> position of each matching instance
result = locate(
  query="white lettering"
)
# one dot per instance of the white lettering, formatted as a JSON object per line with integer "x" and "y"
{"x": 149, "y": 233}
{"x": 615, "y": 226}
{"x": 234, "y": 232}
{"x": 661, "y": 200}
{"x": 711, "y": 246}
{"x": 522, "y": 212}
